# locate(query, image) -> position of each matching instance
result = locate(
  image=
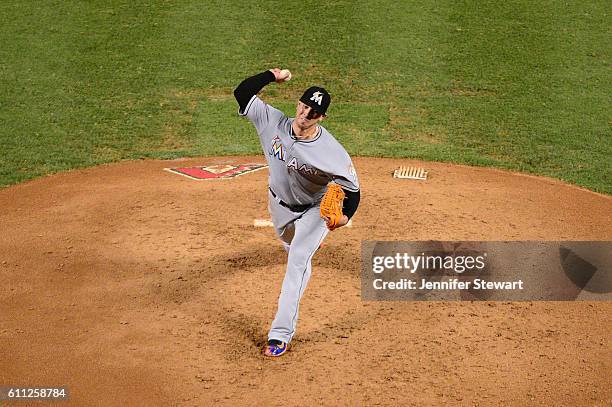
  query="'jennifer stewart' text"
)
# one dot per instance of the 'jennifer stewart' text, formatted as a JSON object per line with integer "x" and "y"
{"x": 453, "y": 284}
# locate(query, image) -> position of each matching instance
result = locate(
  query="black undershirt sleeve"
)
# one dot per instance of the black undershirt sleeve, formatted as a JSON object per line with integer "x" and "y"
{"x": 351, "y": 202}
{"x": 250, "y": 87}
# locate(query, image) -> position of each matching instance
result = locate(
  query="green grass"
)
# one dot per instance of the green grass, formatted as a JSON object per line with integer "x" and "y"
{"x": 520, "y": 85}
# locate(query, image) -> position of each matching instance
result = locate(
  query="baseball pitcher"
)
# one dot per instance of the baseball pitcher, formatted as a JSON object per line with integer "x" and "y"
{"x": 313, "y": 187}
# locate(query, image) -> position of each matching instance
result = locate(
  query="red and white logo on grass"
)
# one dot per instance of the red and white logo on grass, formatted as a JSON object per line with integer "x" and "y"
{"x": 219, "y": 171}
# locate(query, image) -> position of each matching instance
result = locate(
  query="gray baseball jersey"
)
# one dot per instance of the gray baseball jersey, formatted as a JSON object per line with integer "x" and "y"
{"x": 299, "y": 169}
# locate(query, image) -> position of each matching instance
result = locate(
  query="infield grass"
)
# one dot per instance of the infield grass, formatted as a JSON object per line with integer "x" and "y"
{"x": 520, "y": 85}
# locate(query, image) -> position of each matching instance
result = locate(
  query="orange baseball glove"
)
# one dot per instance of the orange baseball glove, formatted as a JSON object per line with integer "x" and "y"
{"x": 331, "y": 205}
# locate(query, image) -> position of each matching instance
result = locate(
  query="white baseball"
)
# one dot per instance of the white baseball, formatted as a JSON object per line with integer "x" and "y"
{"x": 286, "y": 73}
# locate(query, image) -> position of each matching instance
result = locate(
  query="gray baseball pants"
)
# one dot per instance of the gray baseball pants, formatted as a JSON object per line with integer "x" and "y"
{"x": 301, "y": 233}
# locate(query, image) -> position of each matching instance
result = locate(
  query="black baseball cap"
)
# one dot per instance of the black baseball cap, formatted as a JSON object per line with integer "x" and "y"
{"x": 317, "y": 98}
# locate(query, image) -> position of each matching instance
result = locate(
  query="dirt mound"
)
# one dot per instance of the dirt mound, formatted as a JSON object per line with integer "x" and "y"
{"x": 135, "y": 286}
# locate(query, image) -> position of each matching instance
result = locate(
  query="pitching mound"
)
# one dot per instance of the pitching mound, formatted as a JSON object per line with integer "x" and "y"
{"x": 135, "y": 286}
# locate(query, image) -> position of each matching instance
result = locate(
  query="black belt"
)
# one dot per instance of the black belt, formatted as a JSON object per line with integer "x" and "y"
{"x": 292, "y": 208}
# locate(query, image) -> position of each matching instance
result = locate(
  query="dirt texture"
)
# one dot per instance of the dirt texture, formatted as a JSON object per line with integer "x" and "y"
{"x": 133, "y": 286}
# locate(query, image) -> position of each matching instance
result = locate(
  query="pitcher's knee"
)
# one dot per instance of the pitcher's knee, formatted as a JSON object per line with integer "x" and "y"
{"x": 299, "y": 258}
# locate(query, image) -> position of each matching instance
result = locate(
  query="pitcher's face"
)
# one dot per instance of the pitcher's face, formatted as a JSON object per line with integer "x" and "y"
{"x": 306, "y": 116}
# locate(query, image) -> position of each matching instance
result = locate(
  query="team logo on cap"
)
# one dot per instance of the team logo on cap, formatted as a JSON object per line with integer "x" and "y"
{"x": 317, "y": 97}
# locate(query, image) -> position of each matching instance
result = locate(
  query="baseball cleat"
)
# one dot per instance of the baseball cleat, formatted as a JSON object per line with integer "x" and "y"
{"x": 276, "y": 348}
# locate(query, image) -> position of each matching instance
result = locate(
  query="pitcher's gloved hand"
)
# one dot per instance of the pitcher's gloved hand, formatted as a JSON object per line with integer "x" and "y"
{"x": 331, "y": 207}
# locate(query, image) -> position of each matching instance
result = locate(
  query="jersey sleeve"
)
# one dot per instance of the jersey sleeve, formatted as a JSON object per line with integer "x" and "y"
{"x": 344, "y": 174}
{"x": 261, "y": 114}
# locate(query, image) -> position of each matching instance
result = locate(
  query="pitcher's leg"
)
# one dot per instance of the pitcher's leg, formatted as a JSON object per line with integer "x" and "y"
{"x": 310, "y": 231}
{"x": 286, "y": 235}
{"x": 283, "y": 220}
